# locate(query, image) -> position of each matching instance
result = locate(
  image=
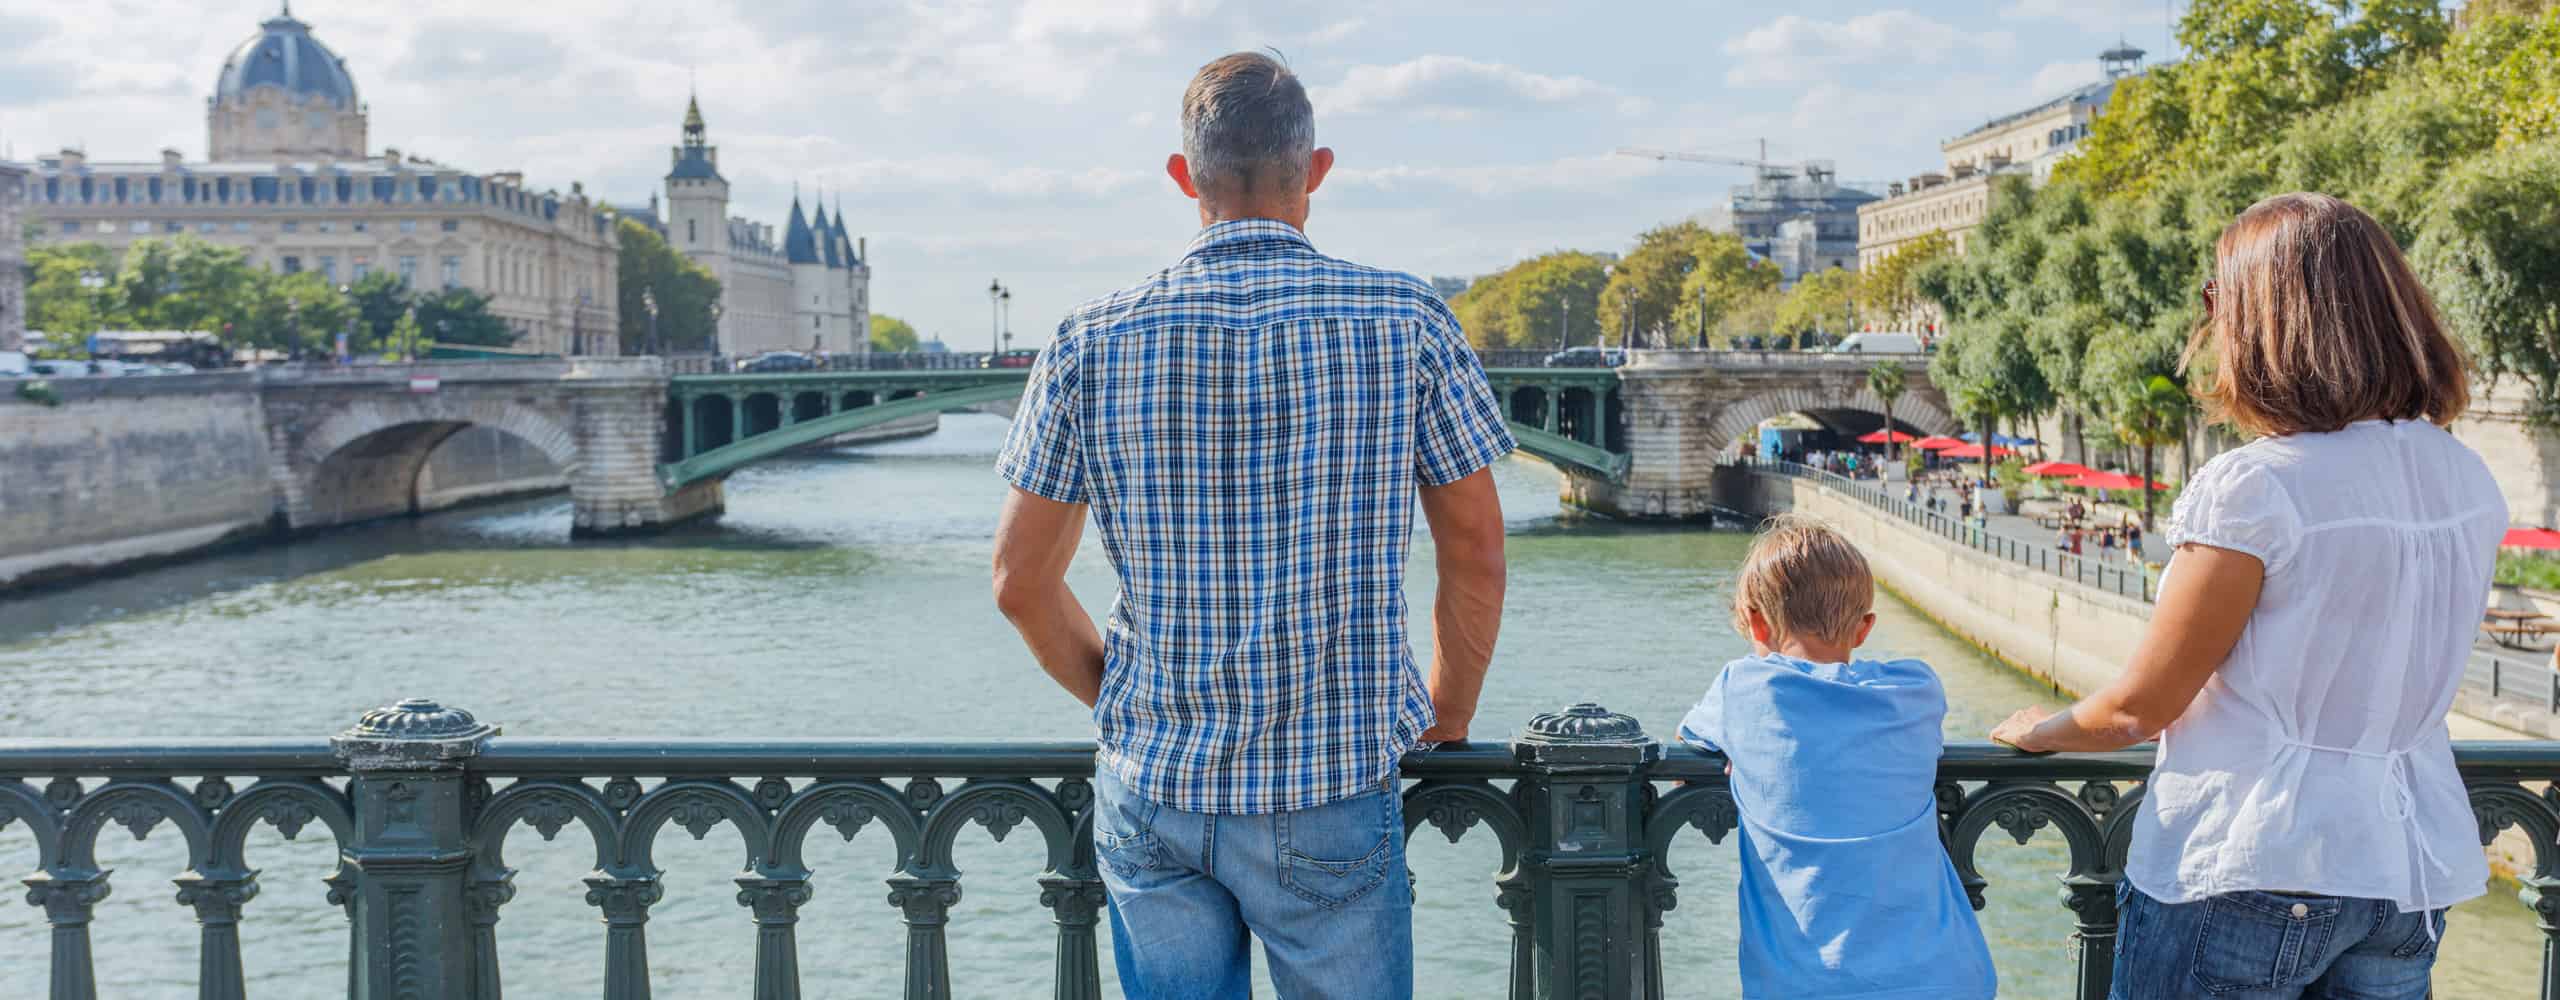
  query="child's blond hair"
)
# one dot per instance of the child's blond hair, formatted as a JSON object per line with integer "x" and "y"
{"x": 1804, "y": 579}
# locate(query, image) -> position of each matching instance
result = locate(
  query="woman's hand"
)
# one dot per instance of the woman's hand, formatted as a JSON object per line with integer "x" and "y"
{"x": 2020, "y": 729}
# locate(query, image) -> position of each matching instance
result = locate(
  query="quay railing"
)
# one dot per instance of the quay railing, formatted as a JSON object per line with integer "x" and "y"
{"x": 421, "y": 800}
{"x": 2117, "y": 579}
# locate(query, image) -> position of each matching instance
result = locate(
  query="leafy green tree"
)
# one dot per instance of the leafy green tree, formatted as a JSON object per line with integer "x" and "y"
{"x": 1644, "y": 290}
{"x": 1989, "y": 371}
{"x": 1547, "y": 301}
{"x": 185, "y": 283}
{"x": 889, "y": 333}
{"x": 1723, "y": 278}
{"x": 2154, "y": 413}
{"x": 1821, "y": 301}
{"x": 2491, "y": 253}
{"x": 407, "y": 338}
{"x": 458, "y": 315}
{"x": 686, "y": 294}
{"x": 380, "y": 299}
{"x": 59, "y": 303}
{"x": 1885, "y": 379}
{"x": 1889, "y": 292}
{"x": 292, "y": 312}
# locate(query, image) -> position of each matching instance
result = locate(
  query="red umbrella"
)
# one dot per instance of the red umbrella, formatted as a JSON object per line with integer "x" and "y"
{"x": 2531, "y": 538}
{"x": 1975, "y": 451}
{"x": 1878, "y": 437}
{"x": 2109, "y": 481}
{"x": 1937, "y": 443}
{"x": 2059, "y": 469}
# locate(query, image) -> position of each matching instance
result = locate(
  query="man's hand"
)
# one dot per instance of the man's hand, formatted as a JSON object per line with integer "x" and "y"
{"x": 1035, "y": 541}
{"x": 1466, "y": 613}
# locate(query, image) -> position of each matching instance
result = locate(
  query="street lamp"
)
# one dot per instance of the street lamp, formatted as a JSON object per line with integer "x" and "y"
{"x": 1007, "y": 299}
{"x": 995, "y": 320}
{"x": 649, "y": 304}
{"x": 713, "y": 348}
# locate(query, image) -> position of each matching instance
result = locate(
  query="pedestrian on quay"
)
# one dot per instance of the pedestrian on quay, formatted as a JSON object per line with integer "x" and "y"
{"x": 2106, "y": 544}
{"x": 1254, "y": 688}
{"x": 2304, "y": 827}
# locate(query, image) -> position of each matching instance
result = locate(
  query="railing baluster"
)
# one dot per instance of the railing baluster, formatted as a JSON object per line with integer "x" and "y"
{"x": 625, "y": 897}
{"x": 775, "y": 902}
{"x": 924, "y": 904}
{"x": 68, "y": 895}
{"x": 1075, "y": 897}
{"x": 217, "y": 898}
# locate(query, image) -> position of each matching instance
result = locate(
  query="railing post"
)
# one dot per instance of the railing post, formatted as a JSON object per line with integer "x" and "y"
{"x": 2092, "y": 902}
{"x": 1584, "y": 797}
{"x": 411, "y": 850}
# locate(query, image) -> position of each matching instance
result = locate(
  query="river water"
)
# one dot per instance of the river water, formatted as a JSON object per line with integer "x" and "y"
{"x": 845, "y": 594}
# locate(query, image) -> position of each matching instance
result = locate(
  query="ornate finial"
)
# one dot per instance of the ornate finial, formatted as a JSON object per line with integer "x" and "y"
{"x": 1583, "y": 736}
{"x": 416, "y": 733}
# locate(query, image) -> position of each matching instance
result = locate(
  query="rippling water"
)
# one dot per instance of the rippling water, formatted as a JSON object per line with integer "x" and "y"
{"x": 846, "y": 595}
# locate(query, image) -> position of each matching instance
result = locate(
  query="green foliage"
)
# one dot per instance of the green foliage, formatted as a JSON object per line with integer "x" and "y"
{"x": 1889, "y": 292}
{"x": 459, "y": 316}
{"x": 2526, "y": 569}
{"x": 291, "y": 312}
{"x": 40, "y": 392}
{"x": 1680, "y": 279}
{"x": 56, "y": 300}
{"x": 380, "y": 300}
{"x": 405, "y": 337}
{"x": 1821, "y": 301}
{"x": 889, "y": 333}
{"x": 686, "y": 294}
{"x": 1547, "y": 301}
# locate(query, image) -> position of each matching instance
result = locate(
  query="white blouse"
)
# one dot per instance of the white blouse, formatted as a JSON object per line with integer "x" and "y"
{"x": 2317, "y": 760}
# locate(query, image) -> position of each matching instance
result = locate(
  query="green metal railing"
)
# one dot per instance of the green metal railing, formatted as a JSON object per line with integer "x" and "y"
{"x": 421, "y": 800}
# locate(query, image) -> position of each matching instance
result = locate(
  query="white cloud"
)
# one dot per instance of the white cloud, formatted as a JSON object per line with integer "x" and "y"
{"x": 1338, "y": 32}
{"x": 1796, "y": 49}
{"x": 1457, "y": 88}
{"x": 1500, "y": 180}
{"x": 2056, "y": 79}
{"x": 2128, "y": 17}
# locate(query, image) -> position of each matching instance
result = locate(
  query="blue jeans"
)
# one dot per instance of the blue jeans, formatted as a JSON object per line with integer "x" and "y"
{"x": 1324, "y": 888}
{"x": 2271, "y": 946}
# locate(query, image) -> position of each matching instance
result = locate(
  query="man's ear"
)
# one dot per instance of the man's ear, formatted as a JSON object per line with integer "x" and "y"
{"x": 1318, "y": 165}
{"x": 1180, "y": 170}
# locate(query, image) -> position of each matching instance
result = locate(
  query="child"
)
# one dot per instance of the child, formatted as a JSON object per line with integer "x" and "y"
{"x": 1846, "y": 890}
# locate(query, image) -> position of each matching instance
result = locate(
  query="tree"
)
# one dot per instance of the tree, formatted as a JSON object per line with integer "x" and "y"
{"x": 1550, "y": 301}
{"x": 2154, "y": 414}
{"x": 380, "y": 300}
{"x": 1821, "y": 301}
{"x": 184, "y": 283}
{"x": 459, "y": 315}
{"x": 1885, "y": 379}
{"x": 292, "y": 312}
{"x": 1889, "y": 292}
{"x": 407, "y": 336}
{"x": 685, "y": 292}
{"x": 1645, "y": 286}
{"x": 889, "y": 333}
{"x": 1989, "y": 370}
{"x": 1723, "y": 279}
{"x": 2490, "y": 250}
{"x": 59, "y": 303}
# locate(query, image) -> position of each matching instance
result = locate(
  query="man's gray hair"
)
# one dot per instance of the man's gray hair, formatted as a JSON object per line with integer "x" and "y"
{"x": 1245, "y": 118}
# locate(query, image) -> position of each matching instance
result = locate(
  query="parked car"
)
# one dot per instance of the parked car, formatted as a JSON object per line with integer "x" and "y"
{"x": 1009, "y": 359}
{"x": 1875, "y": 342}
{"x": 60, "y": 368}
{"x": 1587, "y": 357}
{"x": 778, "y": 361}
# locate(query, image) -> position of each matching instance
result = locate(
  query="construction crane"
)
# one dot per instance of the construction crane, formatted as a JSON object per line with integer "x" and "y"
{"x": 1769, "y": 169}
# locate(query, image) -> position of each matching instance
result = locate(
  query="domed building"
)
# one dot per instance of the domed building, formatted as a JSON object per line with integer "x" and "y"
{"x": 289, "y": 177}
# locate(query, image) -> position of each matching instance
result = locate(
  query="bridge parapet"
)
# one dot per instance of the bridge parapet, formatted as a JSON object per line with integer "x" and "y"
{"x": 1586, "y": 809}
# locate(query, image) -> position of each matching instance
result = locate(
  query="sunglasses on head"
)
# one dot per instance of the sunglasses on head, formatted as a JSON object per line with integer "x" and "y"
{"x": 2211, "y": 287}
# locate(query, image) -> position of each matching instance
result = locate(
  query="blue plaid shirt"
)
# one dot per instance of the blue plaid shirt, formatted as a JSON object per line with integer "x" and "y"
{"x": 1250, "y": 426}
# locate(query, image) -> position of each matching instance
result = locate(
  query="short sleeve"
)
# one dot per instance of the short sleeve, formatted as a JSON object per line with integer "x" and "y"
{"x": 1042, "y": 454}
{"x": 2236, "y": 505}
{"x": 1458, "y": 429}
{"x": 1703, "y": 727}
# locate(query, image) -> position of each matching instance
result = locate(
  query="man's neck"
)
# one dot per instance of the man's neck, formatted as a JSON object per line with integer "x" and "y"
{"x": 1296, "y": 219}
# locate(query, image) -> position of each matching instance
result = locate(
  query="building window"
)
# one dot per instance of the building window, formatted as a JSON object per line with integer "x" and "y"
{"x": 207, "y": 228}
{"x": 239, "y": 227}
{"x": 71, "y": 228}
{"x": 688, "y": 231}
{"x": 106, "y": 227}
{"x": 290, "y": 226}
{"x": 408, "y": 225}
{"x": 139, "y": 228}
{"x": 408, "y": 270}
{"x": 452, "y": 271}
{"x": 293, "y": 265}
{"x": 325, "y": 227}
{"x": 362, "y": 226}
{"x": 363, "y": 267}
{"x": 329, "y": 269}
{"x": 173, "y": 227}
{"x": 450, "y": 225}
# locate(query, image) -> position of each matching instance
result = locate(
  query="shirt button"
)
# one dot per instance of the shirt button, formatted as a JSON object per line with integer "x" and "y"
{"x": 2300, "y": 911}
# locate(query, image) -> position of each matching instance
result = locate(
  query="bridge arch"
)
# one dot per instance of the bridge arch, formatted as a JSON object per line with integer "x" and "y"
{"x": 366, "y": 460}
{"x": 1918, "y": 412}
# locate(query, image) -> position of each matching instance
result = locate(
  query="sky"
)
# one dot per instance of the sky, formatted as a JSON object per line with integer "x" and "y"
{"x": 979, "y": 140}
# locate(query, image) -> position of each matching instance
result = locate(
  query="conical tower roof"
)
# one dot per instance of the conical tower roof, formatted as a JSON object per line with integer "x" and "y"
{"x": 844, "y": 240}
{"x": 799, "y": 242}
{"x": 826, "y": 235}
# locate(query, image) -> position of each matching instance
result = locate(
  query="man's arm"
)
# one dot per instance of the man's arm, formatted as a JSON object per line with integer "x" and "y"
{"x": 1035, "y": 541}
{"x": 1466, "y": 530}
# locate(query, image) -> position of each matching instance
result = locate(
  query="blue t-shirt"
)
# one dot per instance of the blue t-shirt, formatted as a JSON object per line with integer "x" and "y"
{"x": 1846, "y": 888}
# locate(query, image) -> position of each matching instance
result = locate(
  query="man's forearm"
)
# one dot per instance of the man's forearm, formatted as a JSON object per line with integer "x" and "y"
{"x": 1466, "y": 616}
{"x": 1063, "y": 639}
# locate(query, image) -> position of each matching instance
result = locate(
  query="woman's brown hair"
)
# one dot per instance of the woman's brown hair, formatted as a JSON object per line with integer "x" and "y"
{"x": 2315, "y": 321}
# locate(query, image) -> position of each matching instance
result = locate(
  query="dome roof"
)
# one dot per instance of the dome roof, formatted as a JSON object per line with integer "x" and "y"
{"x": 283, "y": 54}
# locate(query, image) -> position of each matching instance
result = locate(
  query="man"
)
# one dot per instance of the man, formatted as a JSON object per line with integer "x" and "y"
{"x": 1252, "y": 428}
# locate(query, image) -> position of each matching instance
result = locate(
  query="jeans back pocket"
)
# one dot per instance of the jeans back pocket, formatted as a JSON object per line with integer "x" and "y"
{"x": 1335, "y": 854}
{"x": 2262, "y": 940}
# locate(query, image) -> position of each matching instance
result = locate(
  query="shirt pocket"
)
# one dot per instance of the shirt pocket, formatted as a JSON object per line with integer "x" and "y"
{"x": 2262, "y": 940}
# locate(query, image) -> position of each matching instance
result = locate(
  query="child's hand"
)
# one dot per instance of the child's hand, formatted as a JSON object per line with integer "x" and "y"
{"x": 2019, "y": 731}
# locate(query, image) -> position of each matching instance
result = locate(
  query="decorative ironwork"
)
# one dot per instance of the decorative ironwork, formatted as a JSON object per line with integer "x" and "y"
{"x": 1587, "y": 811}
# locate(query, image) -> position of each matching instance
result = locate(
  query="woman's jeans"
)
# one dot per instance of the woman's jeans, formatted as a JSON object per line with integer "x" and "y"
{"x": 1324, "y": 889}
{"x": 2271, "y": 946}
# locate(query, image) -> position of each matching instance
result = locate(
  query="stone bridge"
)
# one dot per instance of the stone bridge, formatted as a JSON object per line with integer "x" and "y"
{"x": 642, "y": 450}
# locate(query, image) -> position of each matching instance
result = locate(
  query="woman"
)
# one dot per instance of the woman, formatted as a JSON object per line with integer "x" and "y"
{"x": 2304, "y": 827}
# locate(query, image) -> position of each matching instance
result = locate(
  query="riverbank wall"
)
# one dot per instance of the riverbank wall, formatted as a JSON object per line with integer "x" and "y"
{"x": 123, "y": 473}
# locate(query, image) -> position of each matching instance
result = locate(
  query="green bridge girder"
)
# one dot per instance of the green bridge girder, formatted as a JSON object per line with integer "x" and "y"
{"x": 947, "y": 391}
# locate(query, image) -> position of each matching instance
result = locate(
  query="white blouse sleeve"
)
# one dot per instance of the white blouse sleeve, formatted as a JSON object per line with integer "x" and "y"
{"x": 2234, "y": 504}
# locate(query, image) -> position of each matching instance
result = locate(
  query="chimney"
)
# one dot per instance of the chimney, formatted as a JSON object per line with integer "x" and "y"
{"x": 862, "y": 249}
{"x": 170, "y": 158}
{"x": 73, "y": 159}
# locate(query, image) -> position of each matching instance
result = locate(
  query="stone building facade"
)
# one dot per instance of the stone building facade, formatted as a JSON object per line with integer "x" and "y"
{"x": 808, "y": 291}
{"x": 1956, "y": 200}
{"x": 1800, "y": 218}
{"x": 288, "y": 179}
{"x": 13, "y": 259}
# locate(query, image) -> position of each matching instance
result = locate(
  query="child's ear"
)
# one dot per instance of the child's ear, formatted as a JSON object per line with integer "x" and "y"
{"x": 1760, "y": 631}
{"x": 1865, "y": 625}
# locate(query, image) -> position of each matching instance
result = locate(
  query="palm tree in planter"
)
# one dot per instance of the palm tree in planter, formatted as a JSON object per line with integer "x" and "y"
{"x": 1885, "y": 379}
